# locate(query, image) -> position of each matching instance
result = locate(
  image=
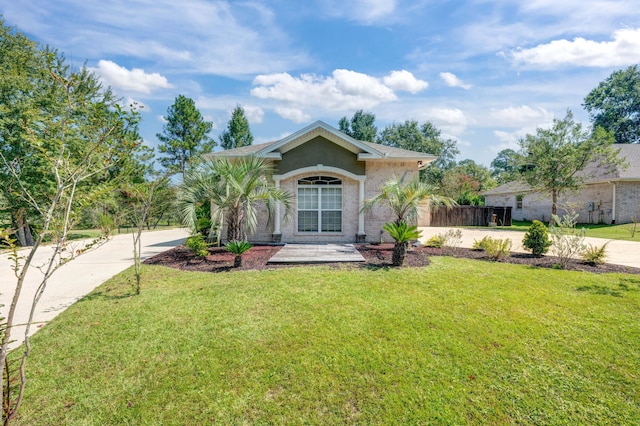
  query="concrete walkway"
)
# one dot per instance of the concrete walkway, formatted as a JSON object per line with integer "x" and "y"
{"x": 317, "y": 253}
{"x": 619, "y": 252}
{"x": 76, "y": 278}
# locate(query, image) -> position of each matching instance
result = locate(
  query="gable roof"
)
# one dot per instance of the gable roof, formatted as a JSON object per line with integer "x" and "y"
{"x": 365, "y": 151}
{"x": 629, "y": 171}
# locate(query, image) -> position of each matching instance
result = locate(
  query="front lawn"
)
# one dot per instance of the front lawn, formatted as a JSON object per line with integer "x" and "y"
{"x": 610, "y": 232}
{"x": 458, "y": 342}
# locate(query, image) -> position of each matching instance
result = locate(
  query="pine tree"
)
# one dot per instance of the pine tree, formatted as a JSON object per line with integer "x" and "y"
{"x": 184, "y": 136}
{"x": 238, "y": 132}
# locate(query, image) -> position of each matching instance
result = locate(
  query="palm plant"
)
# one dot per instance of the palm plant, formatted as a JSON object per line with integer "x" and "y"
{"x": 238, "y": 248}
{"x": 404, "y": 198}
{"x": 402, "y": 235}
{"x": 235, "y": 189}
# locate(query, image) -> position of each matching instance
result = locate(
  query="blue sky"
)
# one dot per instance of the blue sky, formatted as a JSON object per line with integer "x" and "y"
{"x": 486, "y": 72}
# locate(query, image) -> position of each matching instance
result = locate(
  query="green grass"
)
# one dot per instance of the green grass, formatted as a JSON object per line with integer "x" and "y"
{"x": 78, "y": 234}
{"x": 611, "y": 232}
{"x": 458, "y": 342}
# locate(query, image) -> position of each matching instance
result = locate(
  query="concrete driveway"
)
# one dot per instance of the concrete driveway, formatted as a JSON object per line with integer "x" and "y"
{"x": 619, "y": 252}
{"x": 76, "y": 278}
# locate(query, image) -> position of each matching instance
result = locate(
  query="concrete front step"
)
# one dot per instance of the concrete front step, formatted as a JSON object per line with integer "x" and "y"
{"x": 317, "y": 253}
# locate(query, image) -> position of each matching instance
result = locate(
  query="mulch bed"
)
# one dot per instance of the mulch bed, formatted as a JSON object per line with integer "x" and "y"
{"x": 376, "y": 256}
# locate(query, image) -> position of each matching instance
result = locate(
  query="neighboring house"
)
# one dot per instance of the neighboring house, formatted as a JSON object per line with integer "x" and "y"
{"x": 607, "y": 196}
{"x": 330, "y": 175}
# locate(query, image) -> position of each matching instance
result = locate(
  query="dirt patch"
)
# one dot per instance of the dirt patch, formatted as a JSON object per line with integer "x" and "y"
{"x": 376, "y": 256}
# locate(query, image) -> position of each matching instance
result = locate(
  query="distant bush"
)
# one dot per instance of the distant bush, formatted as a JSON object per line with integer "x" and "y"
{"x": 497, "y": 248}
{"x": 452, "y": 239}
{"x": 198, "y": 245}
{"x": 568, "y": 241}
{"x": 595, "y": 255}
{"x": 106, "y": 224}
{"x": 537, "y": 238}
{"x": 437, "y": 241}
{"x": 481, "y": 244}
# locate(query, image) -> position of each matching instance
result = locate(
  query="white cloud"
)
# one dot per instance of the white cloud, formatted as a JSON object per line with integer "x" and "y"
{"x": 254, "y": 113}
{"x": 521, "y": 115}
{"x": 352, "y": 83}
{"x": 623, "y": 50}
{"x": 344, "y": 90}
{"x": 450, "y": 120}
{"x": 374, "y": 10}
{"x": 197, "y": 36}
{"x": 510, "y": 140}
{"x": 405, "y": 81}
{"x": 362, "y": 11}
{"x": 452, "y": 80}
{"x": 294, "y": 114}
{"x": 136, "y": 80}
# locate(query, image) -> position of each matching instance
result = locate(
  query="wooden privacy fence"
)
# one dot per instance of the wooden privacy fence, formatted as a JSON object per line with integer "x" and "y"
{"x": 464, "y": 216}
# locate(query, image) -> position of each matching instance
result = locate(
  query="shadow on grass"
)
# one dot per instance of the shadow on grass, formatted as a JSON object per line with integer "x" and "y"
{"x": 106, "y": 295}
{"x": 625, "y": 284}
{"x": 600, "y": 289}
{"x": 378, "y": 266}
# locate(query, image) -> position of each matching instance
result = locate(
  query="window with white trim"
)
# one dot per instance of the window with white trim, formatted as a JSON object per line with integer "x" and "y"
{"x": 320, "y": 204}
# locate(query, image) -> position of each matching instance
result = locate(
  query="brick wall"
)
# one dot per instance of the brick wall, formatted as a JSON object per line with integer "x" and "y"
{"x": 628, "y": 202}
{"x": 538, "y": 206}
{"x": 377, "y": 174}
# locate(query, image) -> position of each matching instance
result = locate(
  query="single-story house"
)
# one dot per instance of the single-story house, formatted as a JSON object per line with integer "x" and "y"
{"x": 330, "y": 175}
{"x": 608, "y": 196}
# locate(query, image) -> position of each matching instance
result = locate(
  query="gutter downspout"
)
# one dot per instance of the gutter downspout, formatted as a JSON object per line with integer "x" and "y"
{"x": 613, "y": 209}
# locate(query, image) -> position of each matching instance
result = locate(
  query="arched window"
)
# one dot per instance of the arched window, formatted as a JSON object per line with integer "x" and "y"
{"x": 320, "y": 204}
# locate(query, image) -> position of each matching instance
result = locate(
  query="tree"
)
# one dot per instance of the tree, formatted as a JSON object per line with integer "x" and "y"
{"x": 77, "y": 134}
{"x": 426, "y": 138}
{"x": 25, "y": 86}
{"x": 139, "y": 198}
{"x": 404, "y": 198}
{"x": 466, "y": 181}
{"x": 184, "y": 136}
{"x": 238, "y": 132}
{"x": 361, "y": 126}
{"x": 554, "y": 159}
{"x": 234, "y": 188}
{"x": 615, "y": 105}
{"x": 504, "y": 168}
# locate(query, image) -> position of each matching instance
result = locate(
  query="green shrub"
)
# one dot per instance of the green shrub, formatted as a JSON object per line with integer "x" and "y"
{"x": 402, "y": 234}
{"x": 568, "y": 241}
{"x": 451, "y": 239}
{"x": 594, "y": 255}
{"x": 537, "y": 239}
{"x": 497, "y": 248}
{"x": 481, "y": 244}
{"x": 198, "y": 245}
{"x": 106, "y": 225}
{"x": 238, "y": 247}
{"x": 437, "y": 241}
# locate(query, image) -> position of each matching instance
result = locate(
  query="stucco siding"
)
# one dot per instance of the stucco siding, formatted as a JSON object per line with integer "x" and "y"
{"x": 320, "y": 151}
